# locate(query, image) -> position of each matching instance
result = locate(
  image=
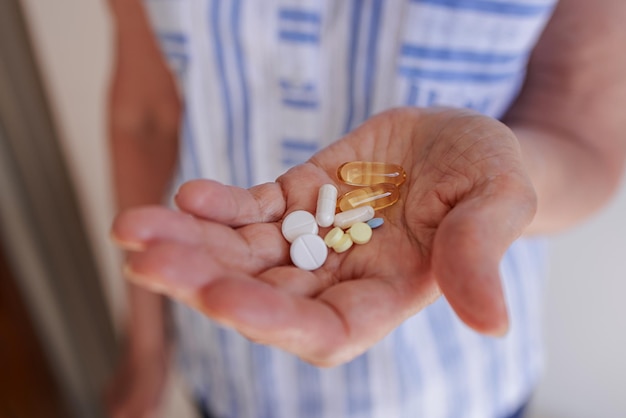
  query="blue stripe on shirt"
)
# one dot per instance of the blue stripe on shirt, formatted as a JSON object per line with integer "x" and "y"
{"x": 265, "y": 395}
{"x": 193, "y": 167}
{"x": 173, "y": 37}
{"x": 299, "y": 37}
{"x": 524, "y": 273}
{"x": 456, "y": 76}
{"x": 458, "y": 55}
{"x": 357, "y": 6}
{"x": 408, "y": 370}
{"x": 492, "y": 348}
{"x": 300, "y": 145}
{"x": 451, "y": 357}
{"x": 310, "y": 401}
{"x": 495, "y": 7}
{"x": 245, "y": 111}
{"x": 295, "y": 152}
{"x": 357, "y": 391}
{"x": 370, "y": 67}
{"x": 299, "y": 15}
{"x": 216, "y": 39}
{"x": 300, "y": 104}
{"x": 230, "y": 364}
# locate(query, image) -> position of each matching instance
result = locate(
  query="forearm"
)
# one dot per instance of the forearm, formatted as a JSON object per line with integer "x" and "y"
{"x": 568, "y": 117}
{"x": 144, "y": 114}
{"x": 571, "y": 180}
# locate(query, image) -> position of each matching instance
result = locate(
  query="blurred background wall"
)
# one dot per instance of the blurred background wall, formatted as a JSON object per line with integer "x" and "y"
{"x": 585, "y": 309}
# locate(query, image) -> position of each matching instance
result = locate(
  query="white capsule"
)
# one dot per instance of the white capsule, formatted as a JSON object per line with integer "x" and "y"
{"x": 308, "y": 252}
{"x": 298, "y": 223}
{"x": 361, "y": 214}
{"x": 326, "y": 204}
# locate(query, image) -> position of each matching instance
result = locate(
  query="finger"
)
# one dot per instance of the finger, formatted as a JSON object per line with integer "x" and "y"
{"x": 252, "y": 248}
{"x": 231, "y": 205}
{"x": 178, "y": 269}
{"x": 468, "y": 247}
{"x": 134, "y": 228}
{"x": 160, "y": 269}
{"x": 173, "y": 269}
{"x": 335, "y": 327}
{"x": 297, "y": 189}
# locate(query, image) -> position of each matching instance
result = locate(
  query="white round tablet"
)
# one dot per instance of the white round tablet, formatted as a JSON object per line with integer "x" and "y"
{"x": 298, "y": 223}
{"x": 308, "y": 252}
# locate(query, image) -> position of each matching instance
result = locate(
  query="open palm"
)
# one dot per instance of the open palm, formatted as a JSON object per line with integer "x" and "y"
{"x": 466, "y": 198}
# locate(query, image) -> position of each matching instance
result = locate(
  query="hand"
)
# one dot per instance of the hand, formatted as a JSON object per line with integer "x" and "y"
{"x": 136, "y": 389}
{"x": 466, "y": 198}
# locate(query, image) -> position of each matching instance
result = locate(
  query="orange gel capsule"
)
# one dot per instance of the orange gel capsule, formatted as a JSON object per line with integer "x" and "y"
{"x": 363, "y": 173}
{"x": 378, "y": 196}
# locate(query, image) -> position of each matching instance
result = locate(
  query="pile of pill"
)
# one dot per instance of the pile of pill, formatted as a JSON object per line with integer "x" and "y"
{"x": 355, "y": 221}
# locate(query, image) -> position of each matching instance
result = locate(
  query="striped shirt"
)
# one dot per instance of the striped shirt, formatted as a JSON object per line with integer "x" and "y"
{"x": 268, "y": 83}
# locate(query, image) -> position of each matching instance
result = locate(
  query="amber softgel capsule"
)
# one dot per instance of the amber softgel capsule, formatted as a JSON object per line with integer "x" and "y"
{"x": 365, "y": 173}
{"x": 378, "y": 196}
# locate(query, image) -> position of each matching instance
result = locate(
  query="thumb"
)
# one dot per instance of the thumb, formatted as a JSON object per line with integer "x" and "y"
{"x": 469, "y": 246}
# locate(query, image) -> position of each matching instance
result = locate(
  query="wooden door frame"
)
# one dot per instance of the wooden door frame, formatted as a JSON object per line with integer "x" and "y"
{"x": 42, "y": 231}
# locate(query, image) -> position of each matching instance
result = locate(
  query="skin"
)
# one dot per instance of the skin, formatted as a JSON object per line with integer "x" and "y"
{"x": 143, "y": 118}
{"x": 473, "y": 186}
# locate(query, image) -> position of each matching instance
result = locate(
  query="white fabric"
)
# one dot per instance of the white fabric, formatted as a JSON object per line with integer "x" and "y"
{"x": 269, "y": 82}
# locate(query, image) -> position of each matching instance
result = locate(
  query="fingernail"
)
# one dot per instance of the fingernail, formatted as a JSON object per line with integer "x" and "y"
{"x": 143, "y": 281}
{"x": 135, "y": 246}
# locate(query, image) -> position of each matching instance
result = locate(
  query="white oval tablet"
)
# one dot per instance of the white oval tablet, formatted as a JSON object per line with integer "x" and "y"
{"x": 326, "y": 204}
{"x": 308, "y": 252}
{"x": 298, "y": 223}
{"x": 348, "y": 218}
